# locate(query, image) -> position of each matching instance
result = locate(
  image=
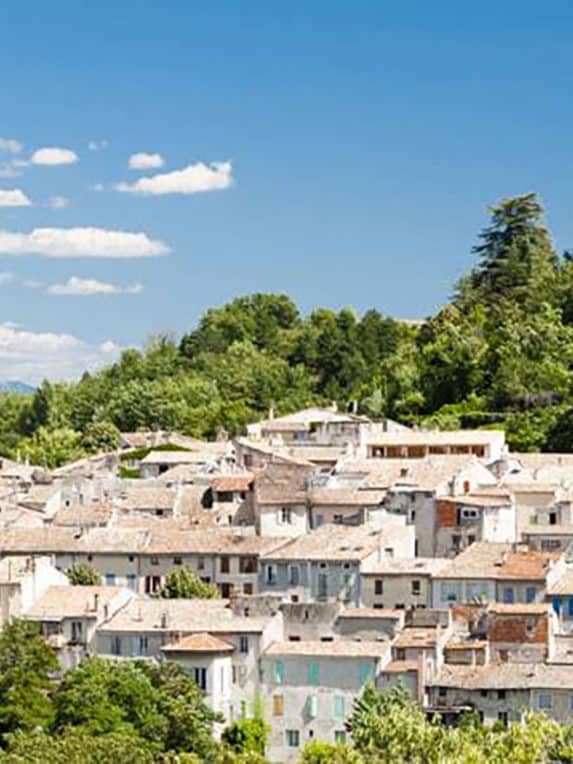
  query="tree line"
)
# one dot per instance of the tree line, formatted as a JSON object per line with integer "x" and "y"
{"x": 498, "y": 354}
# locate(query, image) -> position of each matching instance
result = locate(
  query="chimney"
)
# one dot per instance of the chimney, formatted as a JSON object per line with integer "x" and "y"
{"x": 96, "y": 602}
{"x": 164, "y": 620}
{"x": 271, "y": 412}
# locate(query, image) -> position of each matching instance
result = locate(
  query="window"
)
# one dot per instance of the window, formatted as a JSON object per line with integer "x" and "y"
{"x": 501, "y": 694}
{"x": 292, "y": 738}
{"x": 226, "y": 590}
{"x": 400, "y": 654}
{"x": 508, "y": 595}
{"x": 503, "y": 717}
{"x": 293, "y": 575}
{"x": 77, "y": 631}
{"x": 200, "y": 563}
{"x": 110, "y": 579}
{"x": 279, "y": 672}
{"x": 312, "y": 706}
{"x": 545, "y": 701}
{"x": 339, "y": 707}
{"x": 571, "y": 702}
{"x": 131, "y": 558}
{"x": 131, "y": 580}
{"x": 285, "y": 516}
{"x": 247, "y": 588}
{"x": 530, "y": 594}
{"x": 155, "y": 560}
{"x": 152, "y": 584}
{"x": 247, "y": 564}
{"x": 339, "y": 736}
{"x": 471, "y": 539}
{"x": 570, "y": 607}
{"x": 364, "y": 673}
{"x": 442, "y": 692}
{"x": 338, "y": 519}
{"x": 416, "y": 587}
{"x": 225, "y": 497}
{"x": 90, "y": 557}
{"x": 278, "y": 705}
{"x": 244, "y": 644}
{"x": 378, "y": 586}
{"x": 553, "y": 518}
{"x": 140, "y": 645}
{"x": 178, "y": 561}
{"x": 225, "y": 564}
{"x": 294, "y": 638}
{"x": 271, "y": 574}
{"x": 200, "y": 677}
{"x": 313, "y": 673}
{"x": 322, "y": 593}
{"x": 116, "y": 645}
{"x": 483, "y": 693}
{"x": 550, "y": 545}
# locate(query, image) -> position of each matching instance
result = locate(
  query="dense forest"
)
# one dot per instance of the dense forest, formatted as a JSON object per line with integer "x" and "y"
{"x": 499, "y": 354}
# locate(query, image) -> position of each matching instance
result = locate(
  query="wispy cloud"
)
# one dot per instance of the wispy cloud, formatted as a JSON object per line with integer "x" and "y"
{"x": 144, "y": 161}
{"x": 97, "y": 187}
{"x": 10, "y": 145}
{"x": 98, "y": 145}
{"x": 6, "y": 277}
{"x": 34, "y": 355}
{"x": 14, "y": 197}
{"x": 58, "y": 202}
{"x": 193, "y": 179}
{"x": 53, "y": 156}
{"x": 79, "y": 287}
{"x": 80, "y": 242}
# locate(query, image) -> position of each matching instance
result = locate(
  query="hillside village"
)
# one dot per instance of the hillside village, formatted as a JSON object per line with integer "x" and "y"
{"x": 345, "y": 551}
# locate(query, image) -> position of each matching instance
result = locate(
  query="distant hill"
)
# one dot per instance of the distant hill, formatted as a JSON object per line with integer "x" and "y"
{"x": 14, "y": 386}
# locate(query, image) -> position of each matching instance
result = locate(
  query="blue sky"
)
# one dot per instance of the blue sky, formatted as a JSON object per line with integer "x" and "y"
{"x": 354, "y": 147}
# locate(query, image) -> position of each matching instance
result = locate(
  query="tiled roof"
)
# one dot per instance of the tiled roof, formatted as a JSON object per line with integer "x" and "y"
{"x": 493, "y": 676}
{"x": 400, "y": 667}
{"x": 232, "y": 482}
{"x": 346, "y": 497}
{"x": 488, "y": 560}
{"x": 180, "y": 616}
{"x": 59, "y": 602}
{"x": 416, "y": 566}
{"x": 337, "y": 542}
{"x": 199, "y": 643}
{"x": 416, "y": 636}
{"x": 336, "y": 649}
{"x": 282, "y": 483}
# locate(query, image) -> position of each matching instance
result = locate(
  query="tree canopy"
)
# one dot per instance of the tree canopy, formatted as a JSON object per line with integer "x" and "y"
{"x": 499, "y": 353}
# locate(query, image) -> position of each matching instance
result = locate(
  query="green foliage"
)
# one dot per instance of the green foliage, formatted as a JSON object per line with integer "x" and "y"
{"x": 82, "y": 574}
{"x": 390, "y": 728}
{"x": 158, "y": 704}
{"x": 247, "y": 735}
{"x": 100, "y": 437}
{"x": 26, "y": 665}
{"x": 76, "y": 748}
{"x": 320, "y": 752}
{"x": 184, "y": 583}
{"x": 500, "y": 353}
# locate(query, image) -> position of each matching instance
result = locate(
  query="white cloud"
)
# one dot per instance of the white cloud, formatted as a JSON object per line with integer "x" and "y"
{"x": 9, "y": 170}
{"x": 144, "y": 161}
{"x": 84, "y": 287}
{"x": 58, "y": 202}
{"x": 10, "y": 145}
{"x": 14, "y": 198}
{"x": 97, "y": 187}
{"x": 98, "y": 145}
{"x": 32, "y": 356}
{"x": 52, "y": 156}
{"x": 80, "y": 242}
{"x": 6, "y": 277}
{"x": 193, "y": 179}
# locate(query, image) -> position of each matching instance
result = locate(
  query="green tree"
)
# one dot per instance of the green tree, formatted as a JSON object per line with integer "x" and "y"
{"x": 247, "y": 735}
{"x": 320, "y": 752}
{"x": 82, "y": 574}
{"x": 26, "y": 665}
{"x": 184, "y": 583}
{"x": 52, "y": 448}
{"x": 100, "y": 437}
